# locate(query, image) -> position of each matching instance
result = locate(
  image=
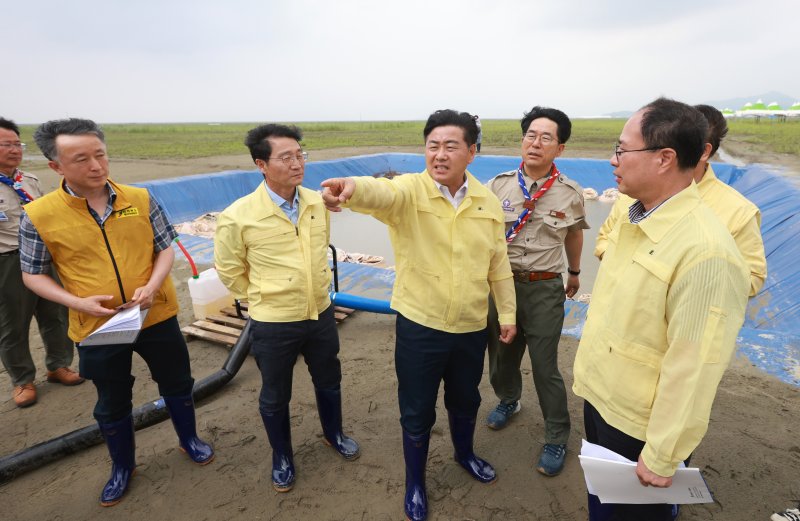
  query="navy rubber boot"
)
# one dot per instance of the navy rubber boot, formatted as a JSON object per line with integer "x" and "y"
{"x": 181, "y": 410}
{"x": 415, "y": 452}
{"x": 462, "y": 431}
{"x": 329, "y": 405}
{"x": 122, "y": 449}
{"x": 280, "y": 438}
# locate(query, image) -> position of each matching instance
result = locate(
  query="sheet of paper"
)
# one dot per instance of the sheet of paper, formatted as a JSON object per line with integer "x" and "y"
{"x": 122, "y": 328}
{"x": 125, "y": 319}
{"x": 613, "y": 479}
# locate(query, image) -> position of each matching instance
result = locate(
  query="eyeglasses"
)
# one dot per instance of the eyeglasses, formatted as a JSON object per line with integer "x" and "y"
{"x": 288, "y": 159}
{"x": 544, "y": 139}
{"x": 618, "y": 151}
{"x": 21, "y": 146}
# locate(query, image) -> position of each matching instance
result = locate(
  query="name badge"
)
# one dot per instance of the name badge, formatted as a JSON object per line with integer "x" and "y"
{"x": 557, "y": 214}
{"x": 128, "y": 212}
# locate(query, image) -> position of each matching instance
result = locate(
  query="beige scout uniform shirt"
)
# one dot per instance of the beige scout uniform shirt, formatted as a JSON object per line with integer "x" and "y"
{"x": 540, "y": 244}
{"x": 11, "y": 210}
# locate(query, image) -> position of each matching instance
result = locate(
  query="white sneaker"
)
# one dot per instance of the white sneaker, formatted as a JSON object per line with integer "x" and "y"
{"x": 790, "y": 514}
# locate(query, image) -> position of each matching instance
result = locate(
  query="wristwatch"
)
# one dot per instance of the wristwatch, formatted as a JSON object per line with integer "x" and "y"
{"x": 573, "y": 272}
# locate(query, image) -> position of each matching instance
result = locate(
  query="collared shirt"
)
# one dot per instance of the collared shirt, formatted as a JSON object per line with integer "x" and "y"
{"x": 448, "y": 259}
{"x": 666, "y": 309}
{"x": 456, "y": 199}
{"x": 539, "y": 246}
{"x": 36, "y": 259}
{"x": 291, "y": 210}
{"x": 11, "y": 209}
{"x": 740, "y": 216}
{"x": 637, "y": 213}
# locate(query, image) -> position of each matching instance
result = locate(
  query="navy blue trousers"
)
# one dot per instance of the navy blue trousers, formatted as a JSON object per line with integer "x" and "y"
{"x": 601, "y": 433}
{"x": 423, "y": 358}
{"x": 109, "y": 368}
{"x": 276, "y": 346}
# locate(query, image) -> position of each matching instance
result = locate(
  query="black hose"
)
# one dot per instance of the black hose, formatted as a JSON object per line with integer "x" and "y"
{"x": 148, "y": 414}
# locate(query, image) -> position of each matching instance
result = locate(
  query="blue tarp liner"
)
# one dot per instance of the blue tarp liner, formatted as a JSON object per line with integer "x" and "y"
{"x": 771, "y": 334}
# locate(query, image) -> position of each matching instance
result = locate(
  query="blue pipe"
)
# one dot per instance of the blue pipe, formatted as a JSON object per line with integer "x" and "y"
{"x": 362, "y": 303}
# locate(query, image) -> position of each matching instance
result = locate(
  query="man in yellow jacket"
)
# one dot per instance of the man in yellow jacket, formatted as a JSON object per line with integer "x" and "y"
{"x": 110, "y": 244}
{"x": 737, "y": 213}
{"x": 447, "y": 232}
{"x": 667, "y": 306}
{"x": 271, "y": 249}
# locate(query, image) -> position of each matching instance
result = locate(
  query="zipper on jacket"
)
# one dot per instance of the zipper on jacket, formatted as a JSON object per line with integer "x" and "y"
{"x": 113, "y": 262}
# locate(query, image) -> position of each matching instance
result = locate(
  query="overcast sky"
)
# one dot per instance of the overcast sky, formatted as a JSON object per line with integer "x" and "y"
{"x": 303, "y": 60}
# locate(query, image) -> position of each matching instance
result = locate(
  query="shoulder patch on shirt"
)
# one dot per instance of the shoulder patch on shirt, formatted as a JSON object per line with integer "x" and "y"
{"x": 128, "y": 212}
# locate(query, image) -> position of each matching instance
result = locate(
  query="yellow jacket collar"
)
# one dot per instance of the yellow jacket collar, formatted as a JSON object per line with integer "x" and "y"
{"x": 266, "y": 207}
{"x": 670, "y": 213}
{"x": 709, "y": 177}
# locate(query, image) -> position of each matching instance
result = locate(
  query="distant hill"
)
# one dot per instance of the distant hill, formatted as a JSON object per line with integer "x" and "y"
{"x": 619, "y": 114}
{"x": 783, "y": 100}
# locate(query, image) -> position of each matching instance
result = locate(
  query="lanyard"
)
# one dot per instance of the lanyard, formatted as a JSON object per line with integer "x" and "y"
{"x": 530, "y": 201}
{"x": 16, "y": 185}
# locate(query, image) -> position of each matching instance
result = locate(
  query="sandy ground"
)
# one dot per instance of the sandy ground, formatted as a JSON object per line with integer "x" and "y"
{"x": 749, "y": 457}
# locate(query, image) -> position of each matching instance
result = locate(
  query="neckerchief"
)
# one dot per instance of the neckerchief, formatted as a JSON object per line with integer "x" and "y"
{"x": 16, "y": 184}
{"x": 530, "y": 201}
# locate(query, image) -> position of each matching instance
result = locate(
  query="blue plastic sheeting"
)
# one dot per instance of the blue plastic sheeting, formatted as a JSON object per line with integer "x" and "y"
{"x": 186, "y": 198}
{"x": 771, "y": 335}
{"x": 587, "y": 172}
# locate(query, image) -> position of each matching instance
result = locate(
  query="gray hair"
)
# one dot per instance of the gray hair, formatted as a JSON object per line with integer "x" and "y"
{"x": 45, "y": 136}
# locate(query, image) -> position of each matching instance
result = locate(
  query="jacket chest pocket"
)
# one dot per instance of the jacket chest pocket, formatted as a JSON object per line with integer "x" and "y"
{"x": 272, "y": 248}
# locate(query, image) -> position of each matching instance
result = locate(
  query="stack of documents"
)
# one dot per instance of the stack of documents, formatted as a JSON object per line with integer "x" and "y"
{"x": 612, "y": 478}
{"x": 122, "y": 328}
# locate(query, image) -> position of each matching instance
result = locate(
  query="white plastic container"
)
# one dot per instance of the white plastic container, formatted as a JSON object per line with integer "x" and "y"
{"x": 208, "y": 294}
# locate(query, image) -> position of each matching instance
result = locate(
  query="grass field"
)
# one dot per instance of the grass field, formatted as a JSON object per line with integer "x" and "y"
{"x": 192, "y": 140}
{"x": 782, "y": 137}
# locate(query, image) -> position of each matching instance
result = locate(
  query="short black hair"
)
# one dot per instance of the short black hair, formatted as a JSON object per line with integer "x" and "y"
{"x": 256, "y": 139}
{"x": 671, "y": 124}
{"x": 45, "y": 136}
{"x": 9, "y": 125}
{"x": 717, "y": 126}
{"x": 556, "y": 116}
{"x": 448, "y": 117}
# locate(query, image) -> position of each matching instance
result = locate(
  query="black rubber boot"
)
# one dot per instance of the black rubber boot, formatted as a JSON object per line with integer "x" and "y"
{"x": 415, "y": 452}
{"x": 462, "y": 431}
{"x": 181, "y": 410}
{"x": 329, "y": 405}
{"x": 122, "y": 449}
{"x": 280, "y": 438}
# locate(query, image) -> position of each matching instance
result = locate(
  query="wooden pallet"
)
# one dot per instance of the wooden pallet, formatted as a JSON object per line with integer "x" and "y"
{"x": 226, "y": 327}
